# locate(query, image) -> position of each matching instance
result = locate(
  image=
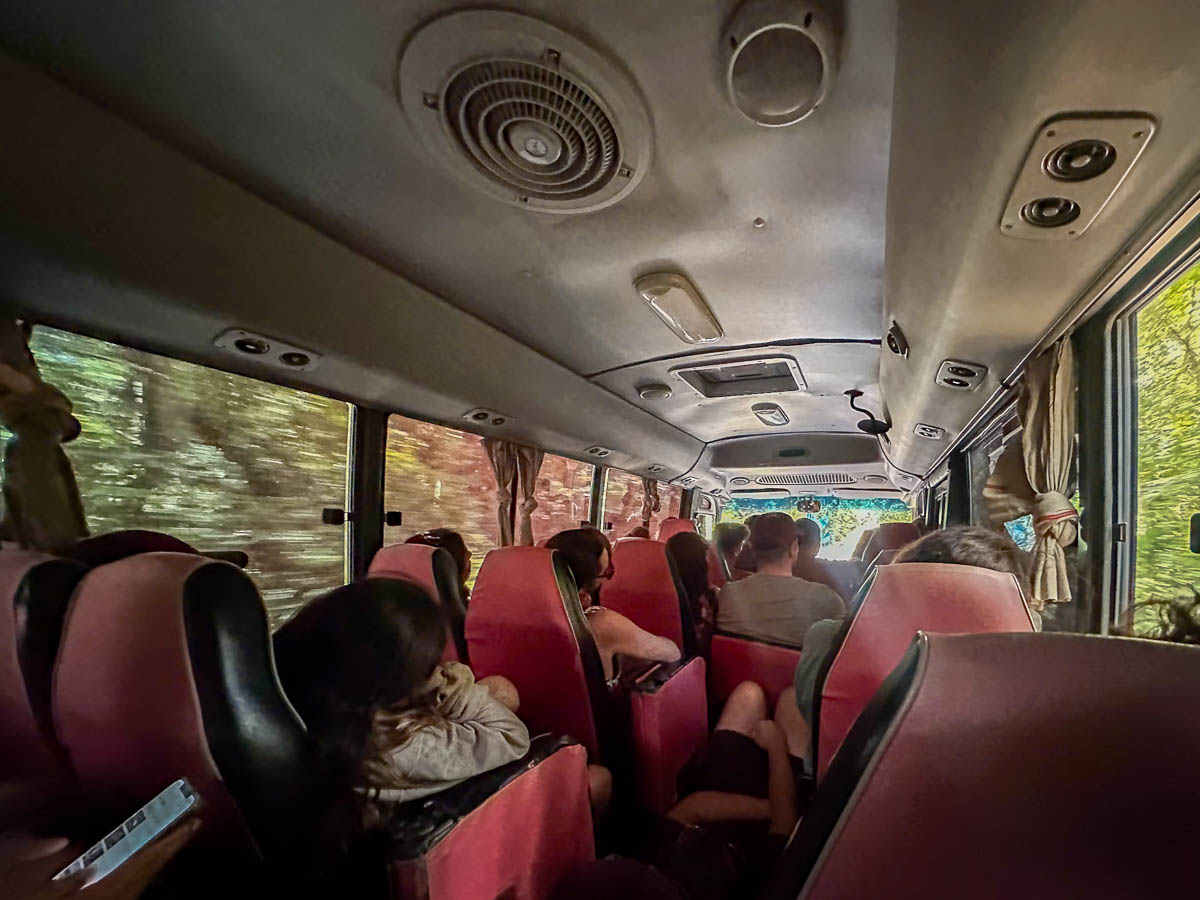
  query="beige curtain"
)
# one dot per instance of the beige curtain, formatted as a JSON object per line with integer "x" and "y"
{"x": 503, "y": 457}
{"x": 529, "y": 462}
{"x": 650, "y": 500}
{"x": 1033, "y": 477}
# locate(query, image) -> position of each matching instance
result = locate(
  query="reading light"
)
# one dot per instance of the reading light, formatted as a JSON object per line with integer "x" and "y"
{"x": 770, "y": 413}
{"x": 679, "y": 304}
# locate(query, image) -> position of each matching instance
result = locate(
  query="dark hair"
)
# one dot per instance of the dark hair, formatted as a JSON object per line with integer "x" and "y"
{"x": 971, "y": 545}
{"x": 772, "y": 536}
{"x": 1176, "y": 620}
{"x": 690, "y": 552}
{"x": 449, "y": 540}
{"x": 730, "y": 536}
{"x": 581, "y": 549}
{"x": 808, "y": 532}
{"x": 343, "y": 660}
{"x": 640, "y": 532}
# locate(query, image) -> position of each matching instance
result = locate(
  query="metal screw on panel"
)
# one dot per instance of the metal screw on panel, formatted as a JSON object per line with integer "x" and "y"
{"x": 430, "y": 100}
{"x": 553, "y": 57}
{"x": 625, "y": 172}
{"x": 760, "y": 222}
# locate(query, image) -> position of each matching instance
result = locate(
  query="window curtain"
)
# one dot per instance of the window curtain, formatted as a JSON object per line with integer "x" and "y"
{"x": 503, "y": 457}
{"x": 650, "y": 500}
{"x": 529, "y": 463}
{"x": 1034, "y": 476}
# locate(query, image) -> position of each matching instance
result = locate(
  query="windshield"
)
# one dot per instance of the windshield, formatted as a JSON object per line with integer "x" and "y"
{"x": 842, "y": 520}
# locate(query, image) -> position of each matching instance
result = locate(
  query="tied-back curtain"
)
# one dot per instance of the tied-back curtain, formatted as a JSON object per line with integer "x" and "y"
{"x": 1033, "y": 477}
{"x": 529, "y": 462}
{"x": 503, "y": 457}
{"x": 650, "y": 500}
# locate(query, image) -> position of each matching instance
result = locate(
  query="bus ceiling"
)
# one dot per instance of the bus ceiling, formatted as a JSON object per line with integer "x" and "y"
{"x": 637, "y": 277}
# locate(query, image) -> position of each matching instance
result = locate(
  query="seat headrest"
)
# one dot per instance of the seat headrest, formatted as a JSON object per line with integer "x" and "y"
{"x": 106, "y": 548}
{"x": 674, "y": 525}
{"x": 525, "y": 622}
{"x": 35, "y": 591}
{"x": 890, "y": 536}
{"x": 646, "y": 589}
{"x": 434, "y": 569}
{"x": 165, "y": 671}
{"x": 899, "y": 601}
{"x": 985, "y": 751}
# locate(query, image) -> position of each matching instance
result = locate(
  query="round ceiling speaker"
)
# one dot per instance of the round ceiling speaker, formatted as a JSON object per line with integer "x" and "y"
{"x": 1080, "y": 160}
{"x": 781, "y": 57}
{"x": 1050, "y": 212}
{"x": 524, "y": 112}
{"x": 739, "y": 481}
{"x": 654, "y": 392}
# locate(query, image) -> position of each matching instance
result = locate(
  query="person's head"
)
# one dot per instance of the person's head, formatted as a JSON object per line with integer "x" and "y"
{"x": 1176, "y": 620}
{"x": 588, "y": 554}
{"x": 808, "y": 537}
{"x": 348, "y": 656}
{"x": 971, "y": 545}
{"x": 690, "y": 552}
{"x": 451, "y": 541}
{"x": 729, "y": 538}
{"x": 640, "y": 532}
{"x": 773, "y": 540}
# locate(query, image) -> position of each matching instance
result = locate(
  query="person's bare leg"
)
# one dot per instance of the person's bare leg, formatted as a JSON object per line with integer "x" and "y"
{"x": 745, "y": 708}
{"x": 787, "y": 717}
{"x": 502, "y": 690}
{"x": 600, "y": 791}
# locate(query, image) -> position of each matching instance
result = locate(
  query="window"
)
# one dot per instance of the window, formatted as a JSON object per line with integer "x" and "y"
{"x": 218, "y": 460}
{"x": 623, "y": 503}
{"x": 564, "y": 495}
{"x": 842, "y": 520}
{"x": 440, "y": 478}
{"x": 1168, "y": 440}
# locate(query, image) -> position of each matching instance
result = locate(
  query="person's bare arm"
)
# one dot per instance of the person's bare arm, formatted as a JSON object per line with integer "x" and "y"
{"x": 704, "y": 807}
{"x": 781, "y": 783}
{"x": 622, "y": 636}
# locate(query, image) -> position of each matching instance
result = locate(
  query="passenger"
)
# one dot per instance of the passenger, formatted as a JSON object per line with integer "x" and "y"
{"x": 690, "y": 552}
{"x": 1177, "y": 620}
{"x": 964, "y": 545}
{"x": 453, "y": 542}
{"x": 588, "y": 555}
{"x": 744, "y": 564}
{"x": 773, "y": 604}
{"x": 730, "y": 539}
{"x": 640, "y": 532}
{"x": 818, "y": 571}
{"x": 361, "y": 666}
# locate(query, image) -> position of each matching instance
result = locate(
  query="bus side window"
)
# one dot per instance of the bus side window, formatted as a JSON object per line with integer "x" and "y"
{"x": 220, "y": 461}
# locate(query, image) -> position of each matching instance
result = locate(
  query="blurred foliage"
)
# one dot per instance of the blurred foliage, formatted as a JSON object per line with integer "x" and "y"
{"x": 1168, "y": 440}
{"x": 218, "y": 460}
{"x": 842, "y": 520}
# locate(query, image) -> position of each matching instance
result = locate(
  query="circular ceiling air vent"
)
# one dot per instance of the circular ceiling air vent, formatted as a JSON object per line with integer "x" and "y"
{"x": 525, "y": 112}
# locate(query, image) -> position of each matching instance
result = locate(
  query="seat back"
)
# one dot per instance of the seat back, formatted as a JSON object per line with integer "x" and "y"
{"x": 669, "y": 722}
{"x": 900, "y": 601}
{"x": 737, "y": 659}
{"x": 718, "y": 573}
{"x": 35, "y": 591}
{"x": 885, "y": 557}
{"x": 673, "y": 525}
{"x": 434, "y": 569}
{"x": 646, "y": 589}
{"x": 512, "y": 832}
{"x": 890, "y": 536}
{"x": 165, "y": 671}
{"x": 1011, "y": 765}
{"x": 525, "y": 623}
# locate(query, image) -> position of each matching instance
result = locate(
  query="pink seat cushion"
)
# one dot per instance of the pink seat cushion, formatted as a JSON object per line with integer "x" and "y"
{"x": 415, "y": 563}
{"x": 902, "y": 600}
{"x": 674, "y": 525}
{"x": 716, "y": 573}
{"x": 737, "y": 659}
{"x": 644, "y": 589}
{"x": 525, "y": 623}
{"x": 517, "y": 844}
{"x": 670, "y": 724}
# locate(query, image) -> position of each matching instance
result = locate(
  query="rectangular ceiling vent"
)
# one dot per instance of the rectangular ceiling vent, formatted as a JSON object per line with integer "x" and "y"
{"x": 807, "y": 478}
{"x": 743, "y": 377}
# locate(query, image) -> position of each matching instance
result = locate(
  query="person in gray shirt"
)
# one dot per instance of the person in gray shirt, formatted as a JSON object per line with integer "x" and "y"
{"x": 772, "y": 604}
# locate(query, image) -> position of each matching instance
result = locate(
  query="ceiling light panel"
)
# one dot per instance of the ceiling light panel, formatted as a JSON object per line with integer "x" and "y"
{"x": 678, "y": 303}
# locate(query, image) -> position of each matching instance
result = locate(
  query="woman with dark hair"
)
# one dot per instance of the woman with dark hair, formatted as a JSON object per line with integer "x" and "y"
{"x": 1176, "y": 620}
{"x": 690, "y": 552}
{"x": 453, "y": 542}
{"x": 361, "y": 667}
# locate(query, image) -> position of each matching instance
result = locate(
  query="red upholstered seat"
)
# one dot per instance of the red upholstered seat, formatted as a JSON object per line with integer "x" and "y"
{"x": 525, "y": 623}
{"x": 674, "y": 525}
{"x": 901, "y": 600}
{"x": 35, "y": 591}
{"x": 994, "y": 766}
{"x": 645, "y": 588}
{"x": 165, "y": 671}
{"x": 885, "y": 557}
{"x": 717, "y": 575}
{"x": 890, "y": 536}
{"x": 738, "y": 659}
{"x": 434, "y": 569}
{"x": 669, "y": 711}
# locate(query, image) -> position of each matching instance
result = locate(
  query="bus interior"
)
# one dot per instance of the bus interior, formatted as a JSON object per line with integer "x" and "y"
{"x": 314, "y": 279}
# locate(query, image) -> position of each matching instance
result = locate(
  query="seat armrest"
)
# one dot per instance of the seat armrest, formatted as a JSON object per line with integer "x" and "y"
{"x": 656, "y": 675}
{"x": 669, "y": 711}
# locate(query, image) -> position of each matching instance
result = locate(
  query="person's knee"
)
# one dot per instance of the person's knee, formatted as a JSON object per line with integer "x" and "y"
{"x": 748, "y": 698}
{"x": 502, "y": 690}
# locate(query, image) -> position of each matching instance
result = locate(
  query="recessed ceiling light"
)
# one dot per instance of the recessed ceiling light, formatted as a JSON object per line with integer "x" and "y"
{"x": 770, "y": 414}
{"x": 678, "y": 303}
